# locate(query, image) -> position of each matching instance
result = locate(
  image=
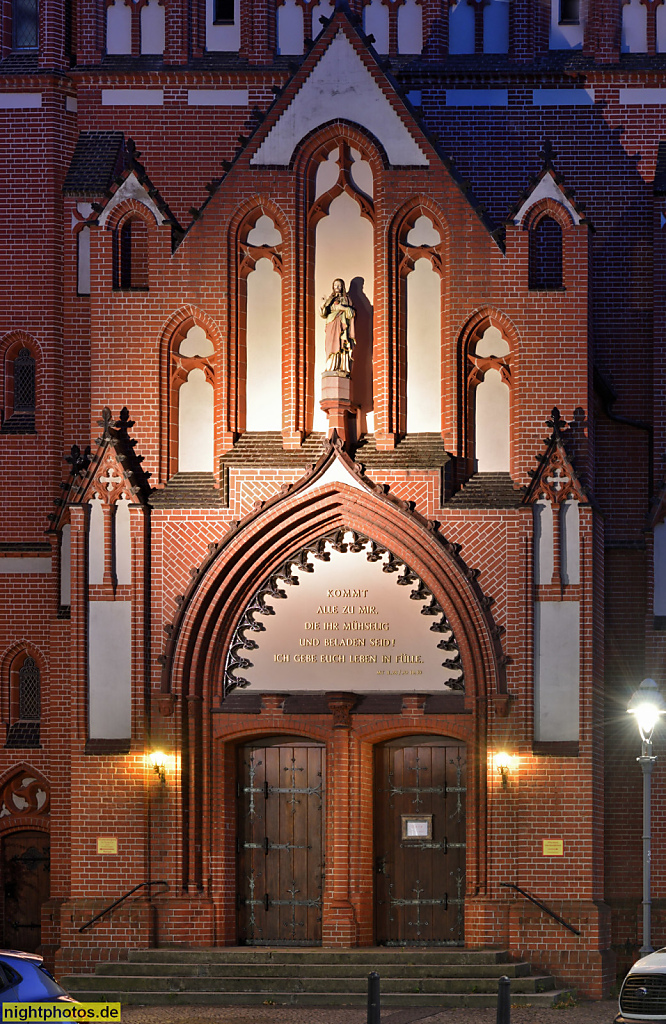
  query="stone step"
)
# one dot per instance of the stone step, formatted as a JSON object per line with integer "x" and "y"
{"x": 259, "y": 983}
{"x": 317, "y": 954}
{"x": 329, "y": 999}
{"x": 310, "y": 970}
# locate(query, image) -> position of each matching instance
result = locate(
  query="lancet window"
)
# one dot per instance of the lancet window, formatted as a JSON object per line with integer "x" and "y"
{"x": 545, "y": 254}
{"x": 488, "y": 400}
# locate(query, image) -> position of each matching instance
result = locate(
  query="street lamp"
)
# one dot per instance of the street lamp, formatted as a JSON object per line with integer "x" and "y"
{"x": 647, "y": 704}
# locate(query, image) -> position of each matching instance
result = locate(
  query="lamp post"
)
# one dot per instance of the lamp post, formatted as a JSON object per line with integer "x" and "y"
{"x": 647, "y": 704}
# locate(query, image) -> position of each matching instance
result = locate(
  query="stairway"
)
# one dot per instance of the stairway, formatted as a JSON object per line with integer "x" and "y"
{"x": 410, "y": 977}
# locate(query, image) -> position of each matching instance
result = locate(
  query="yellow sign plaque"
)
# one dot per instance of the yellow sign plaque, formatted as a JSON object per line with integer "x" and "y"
{"x": 107, "y": 844}
{"x": 553, "y": 847}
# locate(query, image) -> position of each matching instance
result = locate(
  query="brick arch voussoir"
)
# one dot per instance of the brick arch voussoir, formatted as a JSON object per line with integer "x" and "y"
{"x": 128, "y": 209}
{"x": 405, "y": 217}
{"x": 220, "y": 594}
{"x": 323, "y": 139}
{"x": 462, "y": 732}
{"x": 248, "y": 213}
{"x": 286, "y": 726}
{"x": 480, "y": 321}
{"x": 547, "y": 207}
{"x": 11, "y": 342}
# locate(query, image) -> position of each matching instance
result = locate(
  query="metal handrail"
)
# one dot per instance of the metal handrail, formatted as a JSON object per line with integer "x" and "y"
{"x": 541, "y": 906}
{"x": 117, "y": 903}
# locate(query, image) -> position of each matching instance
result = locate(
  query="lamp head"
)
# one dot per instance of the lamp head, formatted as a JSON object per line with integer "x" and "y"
{"x": 157, "y": 761}
{"x": 647, "y": 704}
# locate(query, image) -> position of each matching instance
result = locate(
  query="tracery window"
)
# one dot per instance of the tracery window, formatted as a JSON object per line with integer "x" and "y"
{"x": 20, "y": 390}
{"x": 24, "y": 712}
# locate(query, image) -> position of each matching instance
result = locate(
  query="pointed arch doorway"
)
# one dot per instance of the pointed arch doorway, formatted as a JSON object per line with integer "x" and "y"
{"x": 420, "y": 841}
{"x": 280, "y": 842}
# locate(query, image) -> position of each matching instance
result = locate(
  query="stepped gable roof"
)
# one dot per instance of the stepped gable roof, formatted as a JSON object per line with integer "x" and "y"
{"x": 112, "y": 471}
{"x": 659, "y": 184}
{"x": 548, "y": 183}
{"x": 556, "y": 479}
{"x": 342, "y": 79}
{"x": 98, "y": 158}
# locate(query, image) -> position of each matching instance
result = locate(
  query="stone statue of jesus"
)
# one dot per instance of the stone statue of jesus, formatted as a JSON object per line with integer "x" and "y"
{"x": 339, "y": 314}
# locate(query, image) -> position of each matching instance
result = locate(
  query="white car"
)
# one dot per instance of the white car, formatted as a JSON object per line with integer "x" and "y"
{"x": 643, "y": 992}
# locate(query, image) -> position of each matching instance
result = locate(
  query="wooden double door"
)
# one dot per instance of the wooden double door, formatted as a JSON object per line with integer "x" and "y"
{"x": 280, "y": 843}
{"x": 420, "y": 788}
{"x": 25, "y": 886}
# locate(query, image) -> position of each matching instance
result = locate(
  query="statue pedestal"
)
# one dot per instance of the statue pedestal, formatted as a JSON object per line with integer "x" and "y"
{"x": 337, "y": 404}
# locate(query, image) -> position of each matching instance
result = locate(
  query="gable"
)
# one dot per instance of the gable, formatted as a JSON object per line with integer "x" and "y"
{"x": 131, "y": 188}
{"x": 546, "y": 188}
{"x": 339, "y": 86}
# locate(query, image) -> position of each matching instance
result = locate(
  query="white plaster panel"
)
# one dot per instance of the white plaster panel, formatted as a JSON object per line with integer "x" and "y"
{"x": 410, "y": 27}
{"x": 20, "y": 100}
{"x": 264, "y": 232}
{"x": 461, "y": 28}
{"x": 492, "y": 424}
{"x": 563, "y": 97}
{"x": 640, "y": 97}
{"x": 661, "y": 29}
{"x": 344, "y": 248}
{"x": 556, "y": 670}
{"x": 132, "y": 97}
{"x": 383, "y": 613}
{"x": 222, "y": 37}
{"x": 565, "y": 37}
{"x": 337, "y": 473}
{"x": 152, "y": 28}
{"x": 83, "y": 261}
{"x": 321, "y": 10}
{"x": 131, "y": 188}
{"x": 118, "y": 28}
{"x": 496, "y": 27}
{"x": 339, "y": 84}
{"x": 195, "y": 424}
{"x": 492, "y": 343}
{"x": 424, "y": 349}
{"x": 123, "y": 542}
{"x": 415, "y": 97}
{"x": 544, "y": 555}
{"x": 634, "y": 27}
{"x": 424, "y": 232}
{"x": 109, "y": 669}
{"x": 660, "y": 569}
{"x": 290, "y": 32}
{"x": 66, "y": 565}
{"x": 547, "y": 189}
{"x": 96, "y": 542}
{"x": 71, "y": 104}
{"x": 25, "y": 566}
{"x": 328, "y": 172}
{"x": 477, "y": 97}
{"x": 217, "y": 97}
{"x": 376, "y": 23}
{"x": 570, "y": 541}
{"x": 263, "y": 402}
{"x": 196, "y": 343}
{"x": 361, "y": 174}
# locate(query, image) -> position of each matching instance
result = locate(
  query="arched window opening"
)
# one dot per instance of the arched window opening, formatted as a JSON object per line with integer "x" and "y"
{"x": 24, "y": 382}
{"x": 25, "y": 24}
{"x": 20, "y": 392}
{"x": 192, "y": 402}
{"x": 489, "y": 416}
{"x": 118, "y": 28}
{"x": 545, "y": 255}
{"x": 25, "y": 703}
{"x": 130, "y": 252}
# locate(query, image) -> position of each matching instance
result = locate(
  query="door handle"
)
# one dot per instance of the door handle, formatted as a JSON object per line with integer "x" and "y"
{"x": 380, "y": 865}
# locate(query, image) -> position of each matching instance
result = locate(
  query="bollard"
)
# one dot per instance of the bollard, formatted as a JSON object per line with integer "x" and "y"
{"x": 504, "y": 1001}
{"x": 373, "y": 998}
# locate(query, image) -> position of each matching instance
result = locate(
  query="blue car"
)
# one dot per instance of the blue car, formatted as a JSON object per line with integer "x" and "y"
{"x": 24, "y": 979}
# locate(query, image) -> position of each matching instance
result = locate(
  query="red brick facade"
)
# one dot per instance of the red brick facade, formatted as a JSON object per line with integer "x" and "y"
{"x": 195, "y": 147}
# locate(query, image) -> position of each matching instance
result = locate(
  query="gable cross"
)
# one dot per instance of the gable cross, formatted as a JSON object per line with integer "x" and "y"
{"x": 111, "y": 480}
{"x": 557, "y": 481}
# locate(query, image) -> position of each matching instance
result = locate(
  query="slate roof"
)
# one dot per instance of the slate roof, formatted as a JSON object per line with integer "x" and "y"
{"x": 415, "y": 451}
{"x": 97, "y": 159}
{"x": 487, "y": 490}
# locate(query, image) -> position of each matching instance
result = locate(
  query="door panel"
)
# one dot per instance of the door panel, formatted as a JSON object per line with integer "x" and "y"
{"x": 280, "y": 844}
{"x": 25, "y": 881}
{"x": 420, "y": 788}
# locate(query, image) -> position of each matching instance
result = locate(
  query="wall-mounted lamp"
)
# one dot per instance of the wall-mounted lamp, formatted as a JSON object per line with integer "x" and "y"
{"x": 157, "y": 761}
{"x": 503, "y": 766}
